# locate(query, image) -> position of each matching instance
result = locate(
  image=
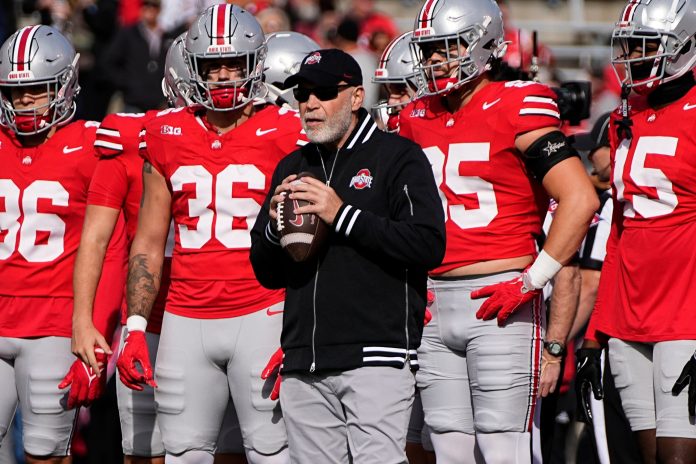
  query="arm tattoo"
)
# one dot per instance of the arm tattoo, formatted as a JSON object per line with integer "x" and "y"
{"x": 147, "y": 167}
{"x": 142, "y": 286}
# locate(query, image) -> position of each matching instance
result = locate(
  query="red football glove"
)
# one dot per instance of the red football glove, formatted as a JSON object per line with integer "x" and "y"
{"x": 504, "y": 298}
{"x": 85, "y": 384}
{"x": 428, "y": 315}
{"x": 274, "y": 365}
{"x": 135, "y": 352}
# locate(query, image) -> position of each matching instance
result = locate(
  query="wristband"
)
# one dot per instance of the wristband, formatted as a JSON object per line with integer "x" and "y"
{"x": 543, "y": 269}
{"x": 136, "y": 323}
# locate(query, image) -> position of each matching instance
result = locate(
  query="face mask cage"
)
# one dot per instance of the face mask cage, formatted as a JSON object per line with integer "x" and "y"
{"x": 413, "y": 90}
{"x": 176, "y": 90}
{"x": 59, "y": 109}
{"x": 641, "y": 57}
{"x": 460, "y": 68}
{"x": 250, "y": 84}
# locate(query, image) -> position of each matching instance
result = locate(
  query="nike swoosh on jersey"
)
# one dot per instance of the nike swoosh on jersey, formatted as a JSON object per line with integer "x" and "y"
{"x": 273, "y": 313}
{"x": 487, "y": 105}
{"x": 67, "y": 150}
{"x": 260, "y": 132}
{"x": 688, "y": 107}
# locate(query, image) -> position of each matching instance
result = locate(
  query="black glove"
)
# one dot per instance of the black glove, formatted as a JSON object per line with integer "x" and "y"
{"x": 588, "y": 376}
{"x": 688, "y": 377}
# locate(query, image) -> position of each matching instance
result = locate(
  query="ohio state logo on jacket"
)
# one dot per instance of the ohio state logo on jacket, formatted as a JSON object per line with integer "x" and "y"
{"x": 363, "y": 179}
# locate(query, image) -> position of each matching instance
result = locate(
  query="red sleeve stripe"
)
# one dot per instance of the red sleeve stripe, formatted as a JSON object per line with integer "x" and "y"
{"x": 108, "y": 132}
{"x": 545, "y": 100}
{"x": 539, "y": 112}
{"x": 108, "y": 145}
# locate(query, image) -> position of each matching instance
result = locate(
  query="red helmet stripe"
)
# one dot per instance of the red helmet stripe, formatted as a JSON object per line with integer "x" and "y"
{"x": 220, "y": 23}
{"x": 629, "y": 10}
{"x": 22, "y": 48}
{"x": 388, "y": 50}
{"x": 426, "y": 12}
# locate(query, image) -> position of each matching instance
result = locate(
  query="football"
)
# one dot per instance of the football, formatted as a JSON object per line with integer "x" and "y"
{"x": 303, "y": 235}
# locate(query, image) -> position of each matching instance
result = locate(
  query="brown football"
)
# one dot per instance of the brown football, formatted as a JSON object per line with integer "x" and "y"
{"x": 303, "y": 235}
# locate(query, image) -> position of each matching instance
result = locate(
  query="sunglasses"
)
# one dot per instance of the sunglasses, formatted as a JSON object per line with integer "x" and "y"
{"x": 322, "y": 93}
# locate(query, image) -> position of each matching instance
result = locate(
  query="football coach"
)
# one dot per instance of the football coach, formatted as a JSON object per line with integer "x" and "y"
{"x": 354, "y": 312}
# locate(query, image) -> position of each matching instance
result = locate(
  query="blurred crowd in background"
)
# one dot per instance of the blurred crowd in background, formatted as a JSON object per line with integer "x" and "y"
{"x": 122, "y": 43}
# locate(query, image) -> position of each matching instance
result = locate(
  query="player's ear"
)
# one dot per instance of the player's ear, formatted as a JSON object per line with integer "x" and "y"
{"x": 357, "y": 98}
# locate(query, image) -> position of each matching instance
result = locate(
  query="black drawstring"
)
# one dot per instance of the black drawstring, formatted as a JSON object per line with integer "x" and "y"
{"x": 623, "y": 129}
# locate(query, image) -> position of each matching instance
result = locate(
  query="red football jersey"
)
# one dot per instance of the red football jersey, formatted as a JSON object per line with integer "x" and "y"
{"x": 117, "y": 183}
{"x": 218, "y": 184}
{"x": 43, "y": 194}
{"x": 646, "y": 290}
{"x": 493, "y": 207}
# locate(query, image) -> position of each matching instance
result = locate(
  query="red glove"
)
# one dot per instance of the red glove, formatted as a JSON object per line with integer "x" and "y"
{"x": 85, "y": 384}
{"x": 504, "y": 298}
{"x": 428, "y": 315}
{"x": 135, "y": 352}
{"x": 274, "y": 364}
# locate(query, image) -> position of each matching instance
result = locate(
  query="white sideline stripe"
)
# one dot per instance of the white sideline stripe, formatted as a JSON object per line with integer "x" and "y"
{"x": 370, "y": 349}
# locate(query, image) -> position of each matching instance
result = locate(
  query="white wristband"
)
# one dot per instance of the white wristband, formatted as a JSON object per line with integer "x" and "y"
{"x": 543, "y": 269}
{"x": 134, "y": 323}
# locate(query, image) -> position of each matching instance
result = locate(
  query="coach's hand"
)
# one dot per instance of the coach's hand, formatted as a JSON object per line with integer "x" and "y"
{"x": 86, "y": 384}
{"x": 274, "y": 365}
{"x": 588, "y": 377}
{"x": 504, "y": 298}
{"x": 324, "y": 201}
{"x": 688, "y": 377}
{"x": 135, "y": 352}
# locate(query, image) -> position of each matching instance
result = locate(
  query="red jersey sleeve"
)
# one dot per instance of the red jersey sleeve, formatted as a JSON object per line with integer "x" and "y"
{"x": 532, "y": 106}
{"x": 109, "y": 184}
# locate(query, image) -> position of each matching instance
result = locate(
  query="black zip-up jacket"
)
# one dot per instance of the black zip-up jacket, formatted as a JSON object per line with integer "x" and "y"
{"x": 362, "y": 302}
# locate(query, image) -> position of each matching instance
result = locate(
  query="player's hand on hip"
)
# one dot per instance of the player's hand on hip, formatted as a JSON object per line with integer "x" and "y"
{"x": 86, "y": 384}
{"x": 429, "y": 302}
{"x": 279, "y": 196}
{"x": 85, "y": 337}
{"x": 325, "y": 203}
{"x": 588, "y": 379}
{"x": 134, "y": 353}
{"x": 274, "y": 365}
{"x": 688, "y": 377}
{"x": 550, "y": 374}
{"x": 504, "y": 298}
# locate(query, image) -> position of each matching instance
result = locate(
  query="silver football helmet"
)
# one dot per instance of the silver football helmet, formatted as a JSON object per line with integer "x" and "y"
{"x": 654, "y": 42}
{"x": 38, "y": 56}
{"x": 396, "y": 66}
{"x": 176, "y": 83}
{"x": 221, "y": 32}
{"x": 450, "y": 26}
{"x": 286, "y": 50}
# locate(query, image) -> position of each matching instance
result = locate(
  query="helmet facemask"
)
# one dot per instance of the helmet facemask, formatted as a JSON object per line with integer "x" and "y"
{"x": 58, "y": 110}
{"x": 458, "y": 52}
{"x": 644, "y": 59}
{"x": 230, "y": 94}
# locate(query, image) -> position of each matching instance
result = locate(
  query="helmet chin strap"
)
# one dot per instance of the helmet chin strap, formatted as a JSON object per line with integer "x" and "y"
{"x": 228, "y": 97}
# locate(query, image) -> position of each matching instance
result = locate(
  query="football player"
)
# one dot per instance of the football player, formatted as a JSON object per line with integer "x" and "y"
{"x": 497, "y": 155}
{"x": 397, "y": 74}
{"x": 208, "y": 167}
{"x": 286, "y": 50}
{"x": 644, "y": 309}
{"x": 47, "y": 164}
{"x": 117, "y": 186}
